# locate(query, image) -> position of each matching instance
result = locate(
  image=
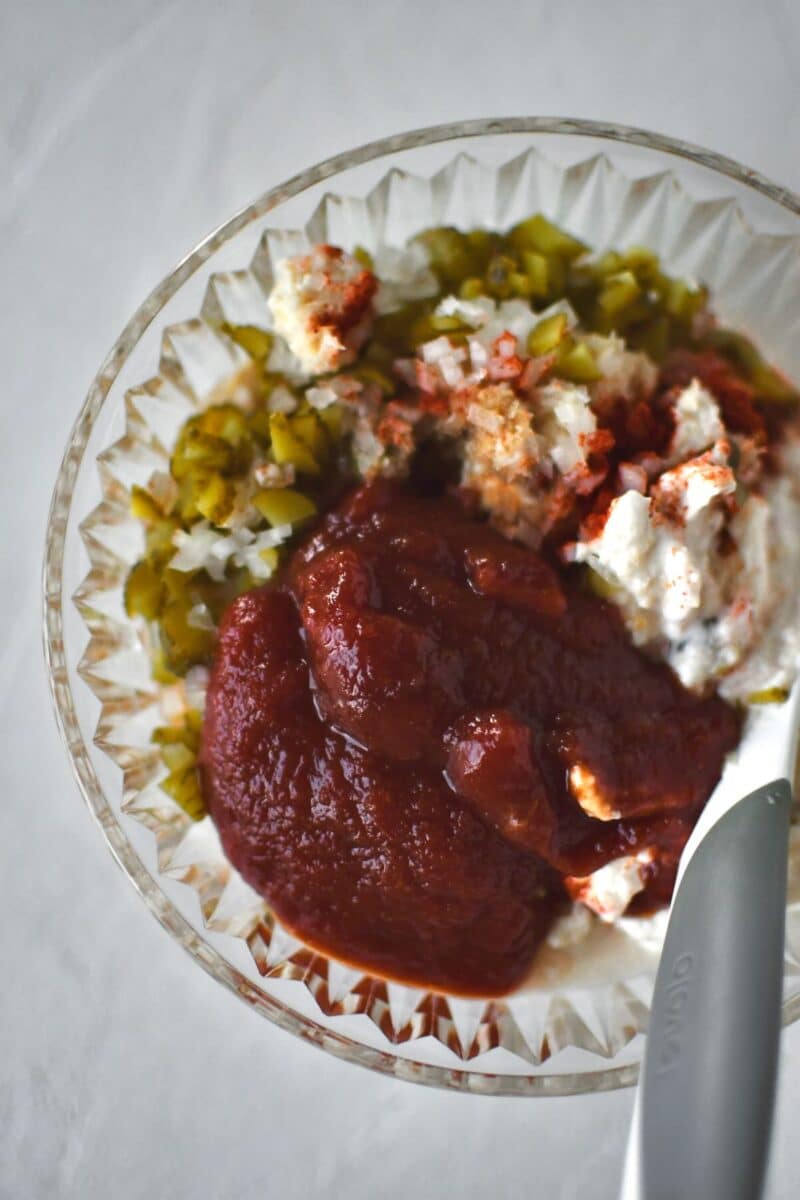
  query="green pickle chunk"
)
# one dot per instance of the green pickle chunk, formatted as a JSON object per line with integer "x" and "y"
{"x": 289, "y": 448}
{"x": 769, "y": 383}
{"x": 537, "y": 272}
{"x": 453, "y": 257}
{"x": 547, "y": 335}
{"x": 577, "y": 363}
{"x": 143, "y": 592}
{"x": 183, "y": 786}
{"x": 542, "y": 236}
{"x": 255, "y": 341}
{"x": 179, "y": 746}
{"x": 618, "y": 293}
{"x": 773, "y": 695}
{"x": 284, "y": 506}
{"x": 215, "y": 499}
{"x": 144, "y": 507}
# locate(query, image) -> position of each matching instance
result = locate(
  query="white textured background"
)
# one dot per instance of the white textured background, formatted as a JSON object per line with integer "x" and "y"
{"x": 126, "y": 132}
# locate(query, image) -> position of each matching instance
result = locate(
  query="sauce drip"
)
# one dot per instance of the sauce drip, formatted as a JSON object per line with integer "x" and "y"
{"x": 415, "y": 740}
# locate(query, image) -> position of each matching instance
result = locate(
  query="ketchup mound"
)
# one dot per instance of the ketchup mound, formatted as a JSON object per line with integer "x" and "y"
{"x": 413, "y": 742}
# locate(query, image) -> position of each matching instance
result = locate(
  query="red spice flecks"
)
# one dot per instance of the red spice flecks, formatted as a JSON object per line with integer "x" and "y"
{"x": 604, "y": 481}
{"x": 629, "y": 449}
{"x": 601, "y": 441}
{"x": 559, "y": 509}
{"x": 435, "y": 403}
{"x": 595, "y": 520}
{"x": 534, "y": 372}
{"x": 504, "y": 363}
{"x": 396, "y": 430}
{"x": 644, "y": 426}
{"x": 352, "y": 298}
{"x": 585, "y": 477}
{"x": 428, "y": 379}
{"x": 668, "y": 494}
{"x": 735, "y": 396}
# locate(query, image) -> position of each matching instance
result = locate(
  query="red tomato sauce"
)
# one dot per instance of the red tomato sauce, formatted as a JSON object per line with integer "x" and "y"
{"x": 395, "y": 737}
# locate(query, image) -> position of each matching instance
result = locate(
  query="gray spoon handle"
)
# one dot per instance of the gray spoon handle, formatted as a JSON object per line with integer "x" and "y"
{"x": 708, "y": 1083}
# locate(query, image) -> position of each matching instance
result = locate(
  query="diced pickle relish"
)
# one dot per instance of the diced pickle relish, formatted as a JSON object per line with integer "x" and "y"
{"x": 257, "y": 342}
{"x": 179, "y": 746}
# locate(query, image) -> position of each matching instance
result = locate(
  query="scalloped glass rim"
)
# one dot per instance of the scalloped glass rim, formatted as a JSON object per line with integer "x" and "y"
{"x": 160, "y": 905}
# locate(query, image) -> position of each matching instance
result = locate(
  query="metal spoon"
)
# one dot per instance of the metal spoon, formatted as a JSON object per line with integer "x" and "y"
{"x": 704, "y": 1108}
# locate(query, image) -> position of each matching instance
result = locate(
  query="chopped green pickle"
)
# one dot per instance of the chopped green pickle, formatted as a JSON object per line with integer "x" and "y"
{"x": 215, "y": 499}
{"x": 254, "y": 341}
{"x": 431, "y": 326}
{"x": 577, "y": 364}
{"x": 161, "y": 672}
{"x": 258, "y": 424}
{"x": 483, "y": 241}
{"x": 308, "y": 428}
{"x": 618, "y": 293}
{"x": 598, "y": 585}
{"x": 499, "y": 273}
{"x": 143, "y": 592}
{"x": 184, "y": 644}
{"x": 537, "y": 272}
{"x": 642, "y": 261}
{"x": 178, "y": 747}
{"x": 215, "y": 440}
{"x": 773, "y": 695}
{"x": 226, "y": 421}
{"x": 682, "y": 300}
{"x": 541, "y": 235}
{"x": 545, "y": 336}
{"x": 187, "y": 734}
{"x": 519, "y": 284}
{"x": 471, "y": 288}
{"x": 289, "y": 448}
{"x": 332, "y": 418}
{"x": 177, "y": 756}
{"x": 735, "y": 346}
{"x": 772, "y": 385}
{"x": 284, "y": 506}
{"x": 768, "y": 383}
{"x": 367, "y": 373}
{"x": 183, "y": 786}
{"x": 198, "y": 451}
{"x": 270, "y": 556}
{"x": 439, "y": 323}
{"x": 179, "y": 585}
{"x": 364, "y": 257}
{"x": 654, "y": 338}
{"x": 556, "y": 277}
{"x": 144, "y": 507}
{"x": 158, "y": 541}
{"x": 451, "y": 255}
{"x": 392, "y": 330}
{"x": 610, "y": 263}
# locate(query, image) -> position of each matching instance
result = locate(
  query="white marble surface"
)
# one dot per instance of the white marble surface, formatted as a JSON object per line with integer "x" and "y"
{"x": 126, "y": 132}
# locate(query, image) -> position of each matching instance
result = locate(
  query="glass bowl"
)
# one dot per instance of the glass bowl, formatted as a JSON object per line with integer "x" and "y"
{"x": 579, "y": 1026}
